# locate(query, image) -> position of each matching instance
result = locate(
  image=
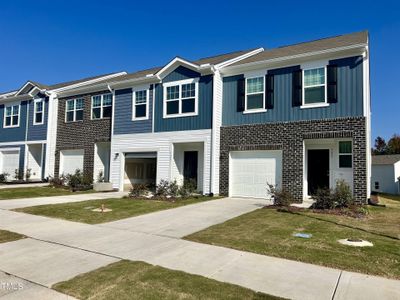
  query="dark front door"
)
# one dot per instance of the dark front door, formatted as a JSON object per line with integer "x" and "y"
{"x": 318, "y": 170}
{"x": 190, "y": 166}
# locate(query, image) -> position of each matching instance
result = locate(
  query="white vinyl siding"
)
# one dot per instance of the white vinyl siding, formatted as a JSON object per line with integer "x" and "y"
{"x": 162, "y": 143}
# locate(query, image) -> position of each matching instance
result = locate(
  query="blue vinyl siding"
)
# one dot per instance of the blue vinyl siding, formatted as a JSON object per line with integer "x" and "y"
{"x": 205, "y": 105}
{"x": 123, "y": 123}
{"x": 21, "y": 157}
{"x": 37, "y": 132}
{"x": 14, "y": 134}
{"x": 350, "y": 97}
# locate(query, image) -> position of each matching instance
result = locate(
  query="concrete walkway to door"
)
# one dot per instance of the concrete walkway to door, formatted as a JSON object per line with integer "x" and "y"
{"x": 275, "y": 276}
{"x": 184, "y": 220}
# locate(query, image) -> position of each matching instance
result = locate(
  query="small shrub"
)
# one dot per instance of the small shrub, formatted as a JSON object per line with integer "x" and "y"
{"x": 18, "y": 174}
{"x": 59, "y": 181}
{"x": 78, "y": 181}
{"x": 167, "y": 189}
{"x": 340, "y": 197}
{"x": 342, "y": 194}
{"x": 280, "y": 197}
{"x": 100, "y": 177}
{"x": 3, "y": 177}
{"x": 28, "y": 174}
{"x": 138, "y": 190}
{"x": 188, "y": 188}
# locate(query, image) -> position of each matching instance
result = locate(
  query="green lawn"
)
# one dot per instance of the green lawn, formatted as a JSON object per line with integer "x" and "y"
{"x": 269, "y": 232}
{"x": 138, "y": 280}
{"x": 8, "y": 236}
{"x": 32, "y": 192}
{"x": 121, "y": 208}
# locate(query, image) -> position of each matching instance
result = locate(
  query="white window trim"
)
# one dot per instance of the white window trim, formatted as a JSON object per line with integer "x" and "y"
{"x": 35, "y": 111}
{"x": 339, "y": 154}
{"x": 19, "y": 115}
{"x": 101, "y": 106}
{"x": 180, "y": 83}
{"x": 74, "y": 110}
{"x": 319, "y": 104}
{"x": 254, "y": 110}
{"x": 138, "y": 89}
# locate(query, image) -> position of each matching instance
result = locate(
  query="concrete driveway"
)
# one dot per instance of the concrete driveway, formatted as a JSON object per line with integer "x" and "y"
{"x": 184, "y": 220}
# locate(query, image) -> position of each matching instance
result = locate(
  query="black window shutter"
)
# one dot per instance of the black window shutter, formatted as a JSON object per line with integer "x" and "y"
{"x": 269, "y": 98}
{"x": 332, "y": 83}
{"x": 240, "y": 94}
{"x": 297, "y": 88}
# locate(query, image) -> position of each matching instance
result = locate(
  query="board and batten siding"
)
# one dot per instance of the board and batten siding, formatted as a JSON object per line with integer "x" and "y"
{"x": 350, "y": 97}
{"x": 37, "y": 132}
{"x": 162, "y": 143}
{"x": 14, "y": 134}
{"x": 123, "y": 108}
{"x": 205, "y": 104}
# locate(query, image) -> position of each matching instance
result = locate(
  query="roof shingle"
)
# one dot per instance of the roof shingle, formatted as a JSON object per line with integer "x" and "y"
{"x": 385, "y": 159}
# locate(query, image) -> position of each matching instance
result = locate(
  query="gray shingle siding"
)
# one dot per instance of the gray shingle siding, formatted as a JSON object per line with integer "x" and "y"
{"x": 350, "y": 97}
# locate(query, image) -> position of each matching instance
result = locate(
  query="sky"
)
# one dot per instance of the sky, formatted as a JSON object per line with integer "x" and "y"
{"x": 56, "y": 41}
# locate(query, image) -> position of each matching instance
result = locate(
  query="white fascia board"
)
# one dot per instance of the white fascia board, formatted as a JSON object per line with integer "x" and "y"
{"x": 298, "y": 58}
{"x": 134, "y": 82}
{"x": 16, "y": 98}
{"x": 5, "y": 95}
{"x": 85, "y": 83}
{"x": 238, "y": 58}
{"x": 177, "y": 61}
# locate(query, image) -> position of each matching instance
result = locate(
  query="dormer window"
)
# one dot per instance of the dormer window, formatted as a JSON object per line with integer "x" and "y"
{"x": 181, "y": 98}
{"x": 11, "y": 116}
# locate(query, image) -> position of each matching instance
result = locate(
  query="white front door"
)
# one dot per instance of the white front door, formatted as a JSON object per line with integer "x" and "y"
{"x": 250, "y": 171}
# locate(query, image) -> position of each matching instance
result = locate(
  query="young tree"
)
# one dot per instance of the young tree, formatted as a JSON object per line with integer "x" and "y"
{"x": 394, "y": 144}
{"x": 380, "y": 146}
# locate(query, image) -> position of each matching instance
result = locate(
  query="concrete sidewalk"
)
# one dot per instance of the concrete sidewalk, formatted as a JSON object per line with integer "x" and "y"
{"x": 182, "y": 221}
{"x": 25, "y": 202}
{"x": 275, "y": 276}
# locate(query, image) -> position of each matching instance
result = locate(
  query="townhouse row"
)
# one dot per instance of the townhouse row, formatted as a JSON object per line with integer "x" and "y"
{"x": 296, "y": 116}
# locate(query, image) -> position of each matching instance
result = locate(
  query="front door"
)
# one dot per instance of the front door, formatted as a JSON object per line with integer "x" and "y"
{"x": 318, "y": 170}
{"x": 190, "y": 166}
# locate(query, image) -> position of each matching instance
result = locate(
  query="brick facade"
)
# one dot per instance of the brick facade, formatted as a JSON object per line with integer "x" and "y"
{"x": 81, "y": 134}
{"x": 289, "y": 137}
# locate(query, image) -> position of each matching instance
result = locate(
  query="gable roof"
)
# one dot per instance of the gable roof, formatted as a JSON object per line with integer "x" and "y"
{"x": 340, "y": 41}
{"x": 385, "y": 159}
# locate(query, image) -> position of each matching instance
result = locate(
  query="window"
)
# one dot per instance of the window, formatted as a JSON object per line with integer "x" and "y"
{"x": 38, "y": 118}
{"x": 314, "y": 87}
{"x": 181, "y": 99}
{"x": 74, "y": 110}
{"x": 345, "y": 155}
{"x": 11, "y": 116}
{"x": 376, "y": 185}
{"x": 255, "y": 93}
{"x": 140, "y": 105}
{"x": 102, "y": 106}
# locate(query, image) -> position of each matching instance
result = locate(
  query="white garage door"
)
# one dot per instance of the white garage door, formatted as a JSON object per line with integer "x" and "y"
{"x": 71, "y": 160}
{"x": 10, "y": 162}
{"x": 251, "y": 170}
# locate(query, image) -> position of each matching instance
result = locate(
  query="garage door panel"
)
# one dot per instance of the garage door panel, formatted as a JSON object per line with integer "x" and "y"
{"x": 10, "y": 161}
{"x": 71, "y": 160}
{"x": 251, "y": 170}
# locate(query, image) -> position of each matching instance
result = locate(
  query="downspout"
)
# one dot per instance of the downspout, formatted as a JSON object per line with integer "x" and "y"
{"x": 112, "y": 131}
{"x": 26, "y": 137}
